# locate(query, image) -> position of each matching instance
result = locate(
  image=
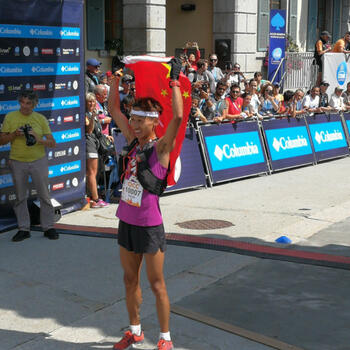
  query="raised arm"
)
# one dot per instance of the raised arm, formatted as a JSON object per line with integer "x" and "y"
{"x": 167, "y": 142}
{"x": 114, "y": 109}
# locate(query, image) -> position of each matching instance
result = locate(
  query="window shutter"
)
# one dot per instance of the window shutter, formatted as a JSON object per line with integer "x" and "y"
{"x": 95, "y": 18}
{"x": 263, "y": 24}
{"x": 293, "y": 13}
{"x": 312, "y": 25}
{"x": 336, "y": 20}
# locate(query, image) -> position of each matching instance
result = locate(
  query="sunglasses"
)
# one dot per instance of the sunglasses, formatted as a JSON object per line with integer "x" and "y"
{"x": 213, "y": 59}
{"x": 235, "y": 91}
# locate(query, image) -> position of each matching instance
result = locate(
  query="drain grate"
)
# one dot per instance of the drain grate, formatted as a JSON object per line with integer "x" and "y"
{"x": 206, "y": 224}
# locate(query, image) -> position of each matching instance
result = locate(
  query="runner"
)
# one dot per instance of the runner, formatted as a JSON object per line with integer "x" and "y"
{"x": 141, "y": 232}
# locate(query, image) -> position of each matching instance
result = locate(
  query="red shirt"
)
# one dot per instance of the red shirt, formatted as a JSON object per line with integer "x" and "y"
{"x": 234, "y": 107}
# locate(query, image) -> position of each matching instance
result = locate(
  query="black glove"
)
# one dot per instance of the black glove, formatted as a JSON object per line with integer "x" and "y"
{"x": 176, "y": 65}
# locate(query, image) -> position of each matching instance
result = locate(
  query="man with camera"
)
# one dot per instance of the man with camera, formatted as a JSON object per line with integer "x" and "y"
{"x": 29, "y": 133}
{"x": 235, "y": 76}
{"x": 201, "y": 74}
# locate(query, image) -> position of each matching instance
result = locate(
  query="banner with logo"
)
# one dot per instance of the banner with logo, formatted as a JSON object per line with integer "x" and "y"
{"x": 277, "y": 42}
{"x": 336, "y": 69}
{"x": 234, "y": 150}
{"x": 189, "y": 170}
{"x": 346, "y": 124}
{"x": 41, "y": 48}
{"x": 328, "y": 136}
{"x": 288, "y": 143}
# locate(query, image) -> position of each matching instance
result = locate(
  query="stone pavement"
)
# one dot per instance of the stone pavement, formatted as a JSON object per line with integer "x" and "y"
{"x": 68, "y": 294}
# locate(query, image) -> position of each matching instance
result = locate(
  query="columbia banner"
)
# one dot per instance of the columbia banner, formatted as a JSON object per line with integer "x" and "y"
{"x": 41, "y": 48}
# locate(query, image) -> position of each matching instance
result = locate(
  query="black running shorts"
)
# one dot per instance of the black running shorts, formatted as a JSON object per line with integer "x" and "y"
{"x": 141, "y": 239}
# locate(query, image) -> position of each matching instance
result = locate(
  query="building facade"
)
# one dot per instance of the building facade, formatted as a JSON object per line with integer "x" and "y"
{"x": 236, "y": 29}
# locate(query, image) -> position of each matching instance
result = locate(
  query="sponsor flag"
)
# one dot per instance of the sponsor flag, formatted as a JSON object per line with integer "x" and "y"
{"x": 152, "y": 75}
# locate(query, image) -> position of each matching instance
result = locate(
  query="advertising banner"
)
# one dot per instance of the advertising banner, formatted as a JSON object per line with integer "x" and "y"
{"x": 234, "y": 150}
{"x": 41, "y": 49}
{"x": 346, "y": 124}
{"x": 328, "y": 136}
{"x": 336, "y": 70}
{"x": 189, "y": 170}
{"x": 288, "y": 143}
{"x": 277, "y": 42}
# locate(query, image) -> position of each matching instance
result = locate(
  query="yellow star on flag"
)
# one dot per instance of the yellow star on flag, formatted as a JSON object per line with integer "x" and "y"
{"x": 185, "y": 94}
{"x": 164, "y": 93}
{"x": 167, "y": 66}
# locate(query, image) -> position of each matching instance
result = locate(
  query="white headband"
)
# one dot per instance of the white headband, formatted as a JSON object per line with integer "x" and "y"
{"x": 145, "y": 114}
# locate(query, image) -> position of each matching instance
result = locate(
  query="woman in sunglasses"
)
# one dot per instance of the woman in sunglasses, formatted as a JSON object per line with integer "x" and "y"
{"x": 213, "y": 69}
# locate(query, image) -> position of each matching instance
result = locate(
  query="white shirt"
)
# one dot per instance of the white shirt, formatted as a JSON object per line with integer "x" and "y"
{"x": 337, "y": 102}
{"x": 255, "y": 103}
{"x": 310, "y": 102}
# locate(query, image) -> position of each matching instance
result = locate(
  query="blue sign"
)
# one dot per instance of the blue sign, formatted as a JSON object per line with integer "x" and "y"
{"x": 288, "y": 142}
{"x": 234, "y": 150}
{"x": 327, "y": 136}
{"x": 67, "y": 135}
{"x": 6, "y": 181}
{"x": 39, "y": 32}
{"x": 38, "y": 69}
{"x": 64, "y": 169}
{"x": 277, "y": 42}
{"x": 342, "y": 72}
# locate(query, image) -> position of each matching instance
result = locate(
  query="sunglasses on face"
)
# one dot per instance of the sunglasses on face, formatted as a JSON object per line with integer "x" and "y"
{"x": 213, "y": 59}
{"x": 235, "y": 91}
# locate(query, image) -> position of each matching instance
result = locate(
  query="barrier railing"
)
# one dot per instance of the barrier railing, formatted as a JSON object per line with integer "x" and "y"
{"x": 299, "y": 71}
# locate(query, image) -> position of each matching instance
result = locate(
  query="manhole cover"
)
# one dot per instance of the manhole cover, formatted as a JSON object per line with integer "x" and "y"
{"x": 207, "y": 224}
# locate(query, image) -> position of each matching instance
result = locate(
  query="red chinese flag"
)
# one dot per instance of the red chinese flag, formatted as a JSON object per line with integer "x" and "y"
{"x": 152, "y": 75}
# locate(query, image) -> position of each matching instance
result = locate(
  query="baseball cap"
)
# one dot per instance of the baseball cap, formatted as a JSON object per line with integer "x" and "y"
{"x": 325, "y": 32}
{"x": 339, "y": 88}
{"x": 127, "y": 78}
{"x": 93, "y": 62}
{"x": 325, "y": 83}
{"x": 276, "y": 84}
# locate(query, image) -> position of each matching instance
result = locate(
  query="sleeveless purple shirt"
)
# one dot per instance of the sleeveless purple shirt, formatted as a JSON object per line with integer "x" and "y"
{"x": 148, "y": 214}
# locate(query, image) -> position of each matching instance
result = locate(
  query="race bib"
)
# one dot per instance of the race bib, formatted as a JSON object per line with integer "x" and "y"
{"x": 132, "y": 191}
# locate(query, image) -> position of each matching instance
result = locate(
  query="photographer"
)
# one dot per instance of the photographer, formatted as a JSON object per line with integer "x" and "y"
{"x": 219, "y": 106}
{"x": 192, "y": 59}
{"x": 196, "y": 114}
{"x": 201, "y": 74}
{"x": 235, "y": 76}
{"x": 29, "y": 133}
{"x": 268, "y": 104}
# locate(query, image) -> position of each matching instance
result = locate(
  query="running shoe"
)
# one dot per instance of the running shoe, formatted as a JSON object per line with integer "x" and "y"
{"x": 165, "y": 345}
{"x": 129, "y": 339}
{"x": 99, "y": 204}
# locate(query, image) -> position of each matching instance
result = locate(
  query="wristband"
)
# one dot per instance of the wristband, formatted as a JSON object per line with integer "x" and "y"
{"x": 173, "y": 83}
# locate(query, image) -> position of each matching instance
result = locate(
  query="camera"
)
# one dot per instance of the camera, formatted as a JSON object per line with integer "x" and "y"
{"x": 271, "y": 93}
{"x": 205, "y": 87}
{"x": 193, "y": 111}
{"x": 30, "y": 139}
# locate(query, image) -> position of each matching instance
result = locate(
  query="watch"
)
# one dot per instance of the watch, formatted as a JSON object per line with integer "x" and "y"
{"x": 173, "y": 83}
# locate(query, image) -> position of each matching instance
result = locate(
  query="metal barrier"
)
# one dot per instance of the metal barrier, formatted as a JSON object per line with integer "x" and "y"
{"x": 299, "y": 72}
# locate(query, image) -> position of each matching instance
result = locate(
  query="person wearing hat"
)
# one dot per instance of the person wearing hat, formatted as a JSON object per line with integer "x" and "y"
{"x": 321, "y": 47}
{"x": 125, "y": 85}
{"x": 337, "y": 101}
{"x": 342, "y": 45}
{"x": 91, "y": 77}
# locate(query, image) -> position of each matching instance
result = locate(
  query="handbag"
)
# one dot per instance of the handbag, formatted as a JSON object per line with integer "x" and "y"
{"x": 105, "y": 145}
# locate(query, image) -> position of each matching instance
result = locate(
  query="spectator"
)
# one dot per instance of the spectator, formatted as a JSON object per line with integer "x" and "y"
{"x": 261, "y": 82}
{"x": 234, "y": 104}
{"x": 92, "y": 130}
{"x": 91, "y": 78}
{"x": 247, "y": 109}
{"x": 342, "y": 45}
{"x": 324, "y": 104}
{"x": 103, "y": 80}
{"x": 255, "y": 101}
{"x": 213, "y": 69}
{"x": 29, "y": 133}
{"x": 206, "y": 105}
{"x": 101, "y": 108}
{"x": 346, "y": 96}
{"x": 132, "y": 89}
{"x": 337, "y": 101}
{"x": 321, "y": 47}
{"x": 127, "y": 104}
{"x": 192, "y": 59}
{"x": 125, "y": 84}
{"x": 235, "y": 76}
{"x": 202, "y": 74}
{"x": 311, "y": 101}
{"x": 196, "y": 113}
{"x": 286, "y": 103}
{"x": 296, "y": 107}
{"x": 220, "y": 107}
{"x": 277, "y": 95}
{"x": 268, "y": 104}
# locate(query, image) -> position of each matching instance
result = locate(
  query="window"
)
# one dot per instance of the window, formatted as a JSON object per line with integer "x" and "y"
{"x": 104, "y": 24}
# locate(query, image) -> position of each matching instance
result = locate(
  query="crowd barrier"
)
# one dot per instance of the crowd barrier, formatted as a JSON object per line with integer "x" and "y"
{"x": 214, "y": 153}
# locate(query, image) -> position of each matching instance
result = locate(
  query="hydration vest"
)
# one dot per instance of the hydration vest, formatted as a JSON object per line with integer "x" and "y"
{"x": 144, "y": 174}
